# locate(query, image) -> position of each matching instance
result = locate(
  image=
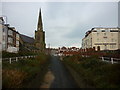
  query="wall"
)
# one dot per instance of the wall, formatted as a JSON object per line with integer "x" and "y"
{"x": 5, "y": 36}
{"x": 105, "y": 37}
{"x": 119, "y": 39}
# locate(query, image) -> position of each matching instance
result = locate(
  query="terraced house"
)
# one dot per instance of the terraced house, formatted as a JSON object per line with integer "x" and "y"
{"x": 102, "y": 38}
{"x": 10, "y": 37}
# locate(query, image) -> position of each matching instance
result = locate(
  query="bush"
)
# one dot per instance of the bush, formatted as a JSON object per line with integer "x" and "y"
{"x": 96, "y": 73}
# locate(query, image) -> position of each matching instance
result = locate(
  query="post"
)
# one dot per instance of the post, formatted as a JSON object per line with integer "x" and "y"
{"x": 25, "y": 56}
{"x": 102, "y": 58}
{"x": 16, "y": 59}
{"x": 112, "y": 60}
{"x": 10, "y": 61}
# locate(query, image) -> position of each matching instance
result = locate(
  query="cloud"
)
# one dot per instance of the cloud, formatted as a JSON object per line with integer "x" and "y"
{"x": 65, "y": 23}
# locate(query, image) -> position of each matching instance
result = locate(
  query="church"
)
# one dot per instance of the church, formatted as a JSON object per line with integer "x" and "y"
{"x": 40, "y": 35}
{"x": 34, "y": 44}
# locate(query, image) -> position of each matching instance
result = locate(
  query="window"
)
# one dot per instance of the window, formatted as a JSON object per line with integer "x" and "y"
{"x": 112, "y": 40}
{"x": 3, "y": 46}
{"x": 105, "y": 47}
{"x": 9, "y": 45}
{"x": 97, "y": 34}
{"x": 111, "y": 46}
{"x": 98, "y": 39}
{"x": 17, "y": 35}
{"x": 3, "y": 38}
{"x": 3, "y": 30}
{"x": 17, "y": 42}
{"x": 111, "y": 34}
{"x": 10, "y": 32}
{"x": 10, "y": 40}
{"x": 104, "y": 33}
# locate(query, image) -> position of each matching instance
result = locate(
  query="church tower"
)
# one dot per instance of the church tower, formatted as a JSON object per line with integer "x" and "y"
{"x": 40, "y": 35}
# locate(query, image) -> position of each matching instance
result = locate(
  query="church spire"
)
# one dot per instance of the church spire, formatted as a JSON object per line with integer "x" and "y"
{"x": 40, "y": 26}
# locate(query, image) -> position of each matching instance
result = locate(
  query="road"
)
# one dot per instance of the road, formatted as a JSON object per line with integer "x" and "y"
{"x": 58, "y": 76}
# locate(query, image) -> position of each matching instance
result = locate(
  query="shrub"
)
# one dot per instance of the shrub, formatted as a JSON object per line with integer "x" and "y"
{"x": 95, "y": 72}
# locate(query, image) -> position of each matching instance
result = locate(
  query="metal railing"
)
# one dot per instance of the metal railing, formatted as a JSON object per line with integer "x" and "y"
{"x": 112, "y": 60}
{"x": 15, "y": 59}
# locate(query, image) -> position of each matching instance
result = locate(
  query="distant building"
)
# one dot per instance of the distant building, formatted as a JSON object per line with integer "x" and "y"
{"x": 64, "y": 51}
{"x": 102, "y": 39}
{"x": 10, "y": 38}
{"x": 40, "y": 35}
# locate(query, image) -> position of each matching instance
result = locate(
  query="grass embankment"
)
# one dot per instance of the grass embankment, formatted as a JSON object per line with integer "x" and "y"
{"x": 93, "y": 72}
{"x": 26, "y": 73}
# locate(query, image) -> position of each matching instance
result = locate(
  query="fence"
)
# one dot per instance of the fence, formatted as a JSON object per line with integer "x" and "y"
{"x": 112, "y": 60}
{"x": 15, "y": 59}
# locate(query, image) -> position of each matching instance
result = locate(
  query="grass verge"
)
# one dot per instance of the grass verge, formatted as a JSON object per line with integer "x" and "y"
{"x": 93, "y": 72}
{"x": 26, "y": 73}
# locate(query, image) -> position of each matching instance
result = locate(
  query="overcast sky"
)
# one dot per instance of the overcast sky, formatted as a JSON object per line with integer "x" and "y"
{"x": 64, "y": 23}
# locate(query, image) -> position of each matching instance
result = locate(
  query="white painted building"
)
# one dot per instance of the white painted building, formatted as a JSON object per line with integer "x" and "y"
{"x": 103, "y": 38}
{"x": 10, "y": 37}
{"x": 13, "y": 40}
{"x": 0, "y": 35}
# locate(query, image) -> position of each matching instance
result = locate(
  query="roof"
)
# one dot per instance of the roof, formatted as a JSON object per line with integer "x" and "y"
{"x": 105, "y": 27}
{"x": 27, "y": 39}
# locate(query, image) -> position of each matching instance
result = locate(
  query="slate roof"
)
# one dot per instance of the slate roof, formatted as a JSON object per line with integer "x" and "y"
{"x": 27, "y": 39}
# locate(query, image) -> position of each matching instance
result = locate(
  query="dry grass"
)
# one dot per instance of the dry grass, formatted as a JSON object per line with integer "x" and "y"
{"x": 13, "y": 78}
{"x": 96, "y": 73}
{"x": 24, "y": 73}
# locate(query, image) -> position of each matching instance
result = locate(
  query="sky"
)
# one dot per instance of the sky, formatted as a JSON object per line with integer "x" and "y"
{"x": 64, "y": 23}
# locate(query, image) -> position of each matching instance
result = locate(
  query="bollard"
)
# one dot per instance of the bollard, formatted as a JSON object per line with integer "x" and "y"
{"x": 112, "y": 60}
{"x": 102, "y": 58}
{"x": 10, "y": 61}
